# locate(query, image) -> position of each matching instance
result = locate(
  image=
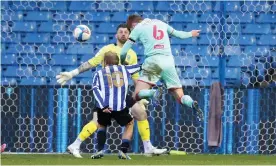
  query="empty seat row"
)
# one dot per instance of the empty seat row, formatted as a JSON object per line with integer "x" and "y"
{"x": 256, "y": 6}
{"x": 93, "y": 16}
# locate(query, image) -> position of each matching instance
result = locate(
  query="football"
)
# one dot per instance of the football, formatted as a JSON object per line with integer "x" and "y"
{"x": 82, "y": 33}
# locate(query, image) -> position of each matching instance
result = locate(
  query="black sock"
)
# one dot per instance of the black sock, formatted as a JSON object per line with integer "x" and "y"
{"x": 125, "y": 145}
{"x": 101, "y": 138}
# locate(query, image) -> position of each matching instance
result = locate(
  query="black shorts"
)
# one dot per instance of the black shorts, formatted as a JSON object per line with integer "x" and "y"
{"x": 122, "y": 117}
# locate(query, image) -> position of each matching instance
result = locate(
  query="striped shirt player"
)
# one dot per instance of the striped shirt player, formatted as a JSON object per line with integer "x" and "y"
{"x": 110, "y": 87}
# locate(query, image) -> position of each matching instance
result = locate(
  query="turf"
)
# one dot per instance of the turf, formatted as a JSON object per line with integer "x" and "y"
{"x": 64, "y": 159}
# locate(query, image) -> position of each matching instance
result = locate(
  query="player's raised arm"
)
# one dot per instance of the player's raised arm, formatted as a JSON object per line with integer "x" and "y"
{"x": 182, "y": 34}
{"x": 63, "y": 77}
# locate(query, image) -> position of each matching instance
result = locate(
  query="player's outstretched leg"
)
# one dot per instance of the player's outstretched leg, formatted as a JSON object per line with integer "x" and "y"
{"x": 187, "y": 100}
{"x": 101, "y": 138}
{"x": 87, "y": 130}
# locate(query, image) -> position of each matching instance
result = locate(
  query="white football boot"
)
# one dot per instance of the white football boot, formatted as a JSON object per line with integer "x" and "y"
{"x": 74, "y": 150}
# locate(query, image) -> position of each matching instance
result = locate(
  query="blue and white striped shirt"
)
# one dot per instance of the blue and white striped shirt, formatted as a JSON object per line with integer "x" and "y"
{"x": 110, "y": 86}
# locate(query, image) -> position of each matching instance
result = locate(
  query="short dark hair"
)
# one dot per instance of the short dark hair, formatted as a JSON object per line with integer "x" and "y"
{"x": 134, "y": 18}
{"x": 111, "y": 58}
{"x": 122, "y": 26}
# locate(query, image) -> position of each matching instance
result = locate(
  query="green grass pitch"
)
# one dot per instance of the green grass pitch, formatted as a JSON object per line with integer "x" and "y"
{"x": 200, "y": 159}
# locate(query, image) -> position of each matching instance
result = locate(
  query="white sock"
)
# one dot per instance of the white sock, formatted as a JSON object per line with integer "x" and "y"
{"x": 147, "y": 146}
{"x": 77, "y": 142}
{"x": 187, "y": 100}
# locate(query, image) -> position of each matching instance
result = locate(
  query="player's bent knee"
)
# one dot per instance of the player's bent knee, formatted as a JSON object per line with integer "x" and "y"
{"x": 138, "y": 112}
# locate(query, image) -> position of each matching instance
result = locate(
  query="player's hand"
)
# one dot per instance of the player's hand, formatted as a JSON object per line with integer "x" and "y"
{"x": 195, "y": 33}
{"x": 107, "y": 110}
{"x": 63, "y": 77}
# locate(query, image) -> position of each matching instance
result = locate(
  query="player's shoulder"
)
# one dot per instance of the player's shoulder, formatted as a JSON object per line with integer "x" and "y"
{"x": 109, "y": 46}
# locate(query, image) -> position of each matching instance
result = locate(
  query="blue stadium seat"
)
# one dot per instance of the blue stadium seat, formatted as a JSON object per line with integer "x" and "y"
{"x": 266, "y": 18}
{"x": 8, "y": 59}
{"x": 140, "y": 6}
{"x": 47, "y": 71}
{"x": 217, "y": 6}
{"x": 87, "y": 74}
{"x": 85, "y": 81}
{"x": 255, "y": 6}
{"x": 97, "y": 16}
{"x": 24, "y": 27}
{"x": 51, "y": 27}
{"x": 5, "y": 5}
{"x": 9, "y": 81}
{"x": 205, "y": 28}
{"x": 107, "y": 28}
{"x": 15, "y": 71}
{"x": 86, "y": 57}
{"x": 232, "y": 28}
{"x": 50, "y": 49}
{"x": 119, "y": 16}
{"x": 232, "y": 73}
{"x": 12, "y": 16}
{"x": 242, "y": 40}
{"x": 273, "y": 7}
{"x": 232, "y": 50}
{"x": 177, "y": 26}
{"x": 66, "y": 16}
{"x": 19, "y": 48}
{"x": 82, "y": 6}
{"x": 238, "y": 61}
{"x": 167, "y": 6}
{"x": 208, "y": 39}
{"x": 256, "y": 28}
{"x": 232, "y": 6}
{"x": 80, "y": 49}
{"x": 207, "y": 61}
{"x": 256, "y": 50}
{"x": 160, "y": 16}
{"x": 24, "y": 5}
{"x": 11, "y": 37}
{"x": 209, "y": 17}
{"x": 99, "y": 39}
{"x": 199, "y": 73}
{"x": 36, "y": 38}
{"x": 63, "y": 60}
{"x": 196, "y": 50}
{"x": 38, "y": 16}
{"x": 183, "y": 61}
{"x": 267, "y": 40}
{"x": 198, "y": 6}
{"x": 239, "y": 17}
{"x": 64, "y": 38}
{"x": 187, "y": 17}
{"x": 54, "y": 5}
{"x": 175, "y": 40}
{"x": 32, "y": 59}
{"x": 3, "y": 49}
{"x": 188, "y": 82}
{"x": 176, "y": 49}
{"x": 33, "y": 81}
{"x": 111, "y": 6}
{"x": 214, "y": 73}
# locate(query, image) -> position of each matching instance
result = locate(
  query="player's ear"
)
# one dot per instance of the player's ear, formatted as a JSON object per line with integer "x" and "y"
{"x": 116, "y": 36}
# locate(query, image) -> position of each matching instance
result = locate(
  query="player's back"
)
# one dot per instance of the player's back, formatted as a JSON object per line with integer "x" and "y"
{"x": 115, "y": 84}
{"x": 154, "y": 36}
